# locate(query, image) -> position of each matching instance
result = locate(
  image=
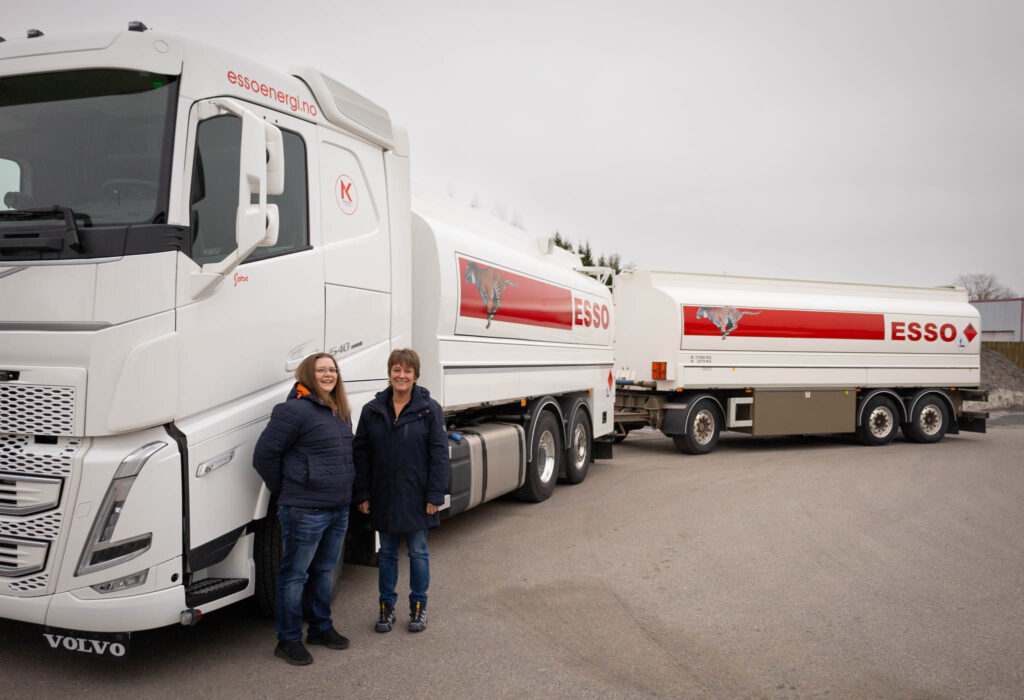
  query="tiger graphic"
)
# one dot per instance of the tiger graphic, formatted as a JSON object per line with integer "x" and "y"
{"x": 491, "y": 286}
{"x": 725, "y": 318}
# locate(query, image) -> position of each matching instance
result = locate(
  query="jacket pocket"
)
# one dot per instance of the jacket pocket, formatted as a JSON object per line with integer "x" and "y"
{"x": 324, "y": 476}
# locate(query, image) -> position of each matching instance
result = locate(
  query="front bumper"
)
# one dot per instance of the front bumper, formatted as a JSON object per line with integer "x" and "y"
{"x": 124, "y": 613}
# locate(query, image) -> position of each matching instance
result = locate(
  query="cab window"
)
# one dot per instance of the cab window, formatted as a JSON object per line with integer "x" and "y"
{"x": 214, "y": 199}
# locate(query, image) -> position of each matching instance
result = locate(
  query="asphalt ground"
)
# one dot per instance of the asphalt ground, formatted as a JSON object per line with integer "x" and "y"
{"x": 771, "y": 568}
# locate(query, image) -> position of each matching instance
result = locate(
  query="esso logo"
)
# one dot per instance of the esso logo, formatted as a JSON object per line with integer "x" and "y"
{"x": 929, "y": 332}
{"x": 591, "y": 314}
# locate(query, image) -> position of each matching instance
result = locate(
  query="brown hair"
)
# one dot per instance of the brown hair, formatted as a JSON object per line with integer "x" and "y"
{"x": 406, "y": 357}
{"x": 306, "y": 376}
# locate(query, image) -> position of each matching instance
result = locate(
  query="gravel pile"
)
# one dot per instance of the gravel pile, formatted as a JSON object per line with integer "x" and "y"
{"x": 1003, "y": 379}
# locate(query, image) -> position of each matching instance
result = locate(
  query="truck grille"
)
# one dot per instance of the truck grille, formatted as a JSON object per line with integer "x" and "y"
{"x": 21, "y": 557}
{"x": 37, "y": 410}
{"x": 33, "y": 474}
{"x": 20, "y": 454}
{"x": 43, "y": 527}
{"x": 26, "y": 495}
{"x": 27, "y": 585}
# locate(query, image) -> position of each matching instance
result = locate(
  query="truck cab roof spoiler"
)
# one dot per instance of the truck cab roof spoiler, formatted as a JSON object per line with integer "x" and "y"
{"x": 348, "y": 109}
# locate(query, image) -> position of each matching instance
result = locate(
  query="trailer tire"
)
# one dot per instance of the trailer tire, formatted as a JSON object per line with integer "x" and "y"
{"x": 879, "y": 422}
{"x": 703, "y": 426}
{"x": 581, "y": 449}
{"x": 929, "y": 420}
{"x": 542, "y": 471}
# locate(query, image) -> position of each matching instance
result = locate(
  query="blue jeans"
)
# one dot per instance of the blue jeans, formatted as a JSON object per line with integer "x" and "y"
{"x": 419, "y": 566}
{"x": 311, "y": 545}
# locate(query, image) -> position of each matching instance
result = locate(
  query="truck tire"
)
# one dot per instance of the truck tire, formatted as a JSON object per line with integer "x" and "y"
{"x": 929, "y": 420}
{"x": 542, "y": 471}
{"x": 580, "y": 452}
{"x": 879, "y": 421}
{"x": 703, "y": 426}
{"x": 267, "y": 553}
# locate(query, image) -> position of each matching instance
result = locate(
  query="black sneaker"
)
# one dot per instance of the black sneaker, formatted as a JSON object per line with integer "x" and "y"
{"x": 418, "y": 617}
{"x": 294, "y": 653}
{"x": 386, "y": 617}
{"x": 329, "y": 638}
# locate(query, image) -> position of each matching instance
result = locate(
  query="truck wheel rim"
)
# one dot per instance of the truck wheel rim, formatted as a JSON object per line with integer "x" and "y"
{"x": 546, "y": 456}
{"x": 579, "y": 445}
{"x": 880, "y": 421}
{"x": 703, "y": 427}
{"x": 930, "y": 420}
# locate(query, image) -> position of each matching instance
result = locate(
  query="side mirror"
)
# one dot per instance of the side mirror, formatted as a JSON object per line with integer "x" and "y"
{"x": 261, "y": 173}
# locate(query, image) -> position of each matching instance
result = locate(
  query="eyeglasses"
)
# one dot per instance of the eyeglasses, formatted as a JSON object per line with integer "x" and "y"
{"x": 323, "y": 370}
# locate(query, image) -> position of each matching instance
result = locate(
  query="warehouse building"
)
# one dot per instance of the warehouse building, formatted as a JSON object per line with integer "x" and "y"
{"x": 1001, "y": 319}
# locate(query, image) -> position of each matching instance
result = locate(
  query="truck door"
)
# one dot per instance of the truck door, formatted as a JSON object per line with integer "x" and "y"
{"x": 357, "y": 259}
{"x": 240, "y": 344}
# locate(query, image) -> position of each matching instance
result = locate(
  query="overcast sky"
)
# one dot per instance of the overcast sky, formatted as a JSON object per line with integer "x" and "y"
{"x": 863, "y": 140}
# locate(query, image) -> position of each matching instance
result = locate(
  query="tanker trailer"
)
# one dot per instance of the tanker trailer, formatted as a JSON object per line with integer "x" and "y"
{"x": 697, "y": 354}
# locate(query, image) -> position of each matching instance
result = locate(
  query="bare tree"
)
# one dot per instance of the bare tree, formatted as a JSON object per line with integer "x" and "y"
{"x": 475, "y": 203}
{"x": 518, "y": 220}
{"x": 983, "y": 286}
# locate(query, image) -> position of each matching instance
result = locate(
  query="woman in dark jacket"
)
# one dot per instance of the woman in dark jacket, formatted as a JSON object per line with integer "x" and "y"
{"x": 305, "y": 458}
{"x": 401, "y": 455}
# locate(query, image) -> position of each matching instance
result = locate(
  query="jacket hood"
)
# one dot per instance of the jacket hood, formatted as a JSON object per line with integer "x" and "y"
{"x": 299, "y": 391}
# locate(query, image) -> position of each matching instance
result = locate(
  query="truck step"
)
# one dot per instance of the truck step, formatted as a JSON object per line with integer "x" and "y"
{"x": 208, "y": 589}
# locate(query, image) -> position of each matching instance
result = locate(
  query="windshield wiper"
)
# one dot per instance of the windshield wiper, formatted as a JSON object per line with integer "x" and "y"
{"x": 35, "y": 241}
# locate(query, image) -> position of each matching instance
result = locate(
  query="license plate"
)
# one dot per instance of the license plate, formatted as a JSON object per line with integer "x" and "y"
{"x": 112, "y": 645}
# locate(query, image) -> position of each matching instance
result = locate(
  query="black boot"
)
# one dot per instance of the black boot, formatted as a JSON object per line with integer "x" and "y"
{"x": 329, "y": 638}
{"x": 294, "y": 653}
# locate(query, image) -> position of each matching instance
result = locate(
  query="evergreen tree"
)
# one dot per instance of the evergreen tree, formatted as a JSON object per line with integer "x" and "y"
{"x": 586, "y": 254}
{"x": 561, "y": 242}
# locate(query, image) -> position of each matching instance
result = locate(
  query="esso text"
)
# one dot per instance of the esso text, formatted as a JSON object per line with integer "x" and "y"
{"x": 590, "y": 314}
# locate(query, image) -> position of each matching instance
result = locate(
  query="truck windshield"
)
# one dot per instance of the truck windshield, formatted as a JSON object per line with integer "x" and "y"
{"x": 95, "y": 142}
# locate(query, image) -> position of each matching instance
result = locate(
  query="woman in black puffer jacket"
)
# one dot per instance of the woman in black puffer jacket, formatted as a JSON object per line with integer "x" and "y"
{"x": 305, "y": 458}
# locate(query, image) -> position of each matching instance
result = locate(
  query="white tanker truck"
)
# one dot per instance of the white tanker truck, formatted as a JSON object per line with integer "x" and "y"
{"x": 179, "y": 228}
{"x": 699, "y": 354}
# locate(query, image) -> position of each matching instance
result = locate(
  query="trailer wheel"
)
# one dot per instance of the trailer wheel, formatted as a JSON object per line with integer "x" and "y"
{"x": 879, "y": 422}
{"x": 580, "y": 452}
{"x": 928, "y": 421}
{"x": 542, "y": 471}
{"x": 703, "y": 426}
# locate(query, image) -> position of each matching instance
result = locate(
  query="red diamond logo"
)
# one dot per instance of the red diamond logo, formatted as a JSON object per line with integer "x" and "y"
{"x": 970, "y": 332}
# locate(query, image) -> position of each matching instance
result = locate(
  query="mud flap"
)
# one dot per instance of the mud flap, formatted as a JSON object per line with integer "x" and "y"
{"x": 972, "y": 421}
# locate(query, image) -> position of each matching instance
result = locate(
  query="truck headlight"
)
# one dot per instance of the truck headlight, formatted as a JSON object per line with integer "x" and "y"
{"x": 99, "y": 551}
{"x": 120, "y": 584}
